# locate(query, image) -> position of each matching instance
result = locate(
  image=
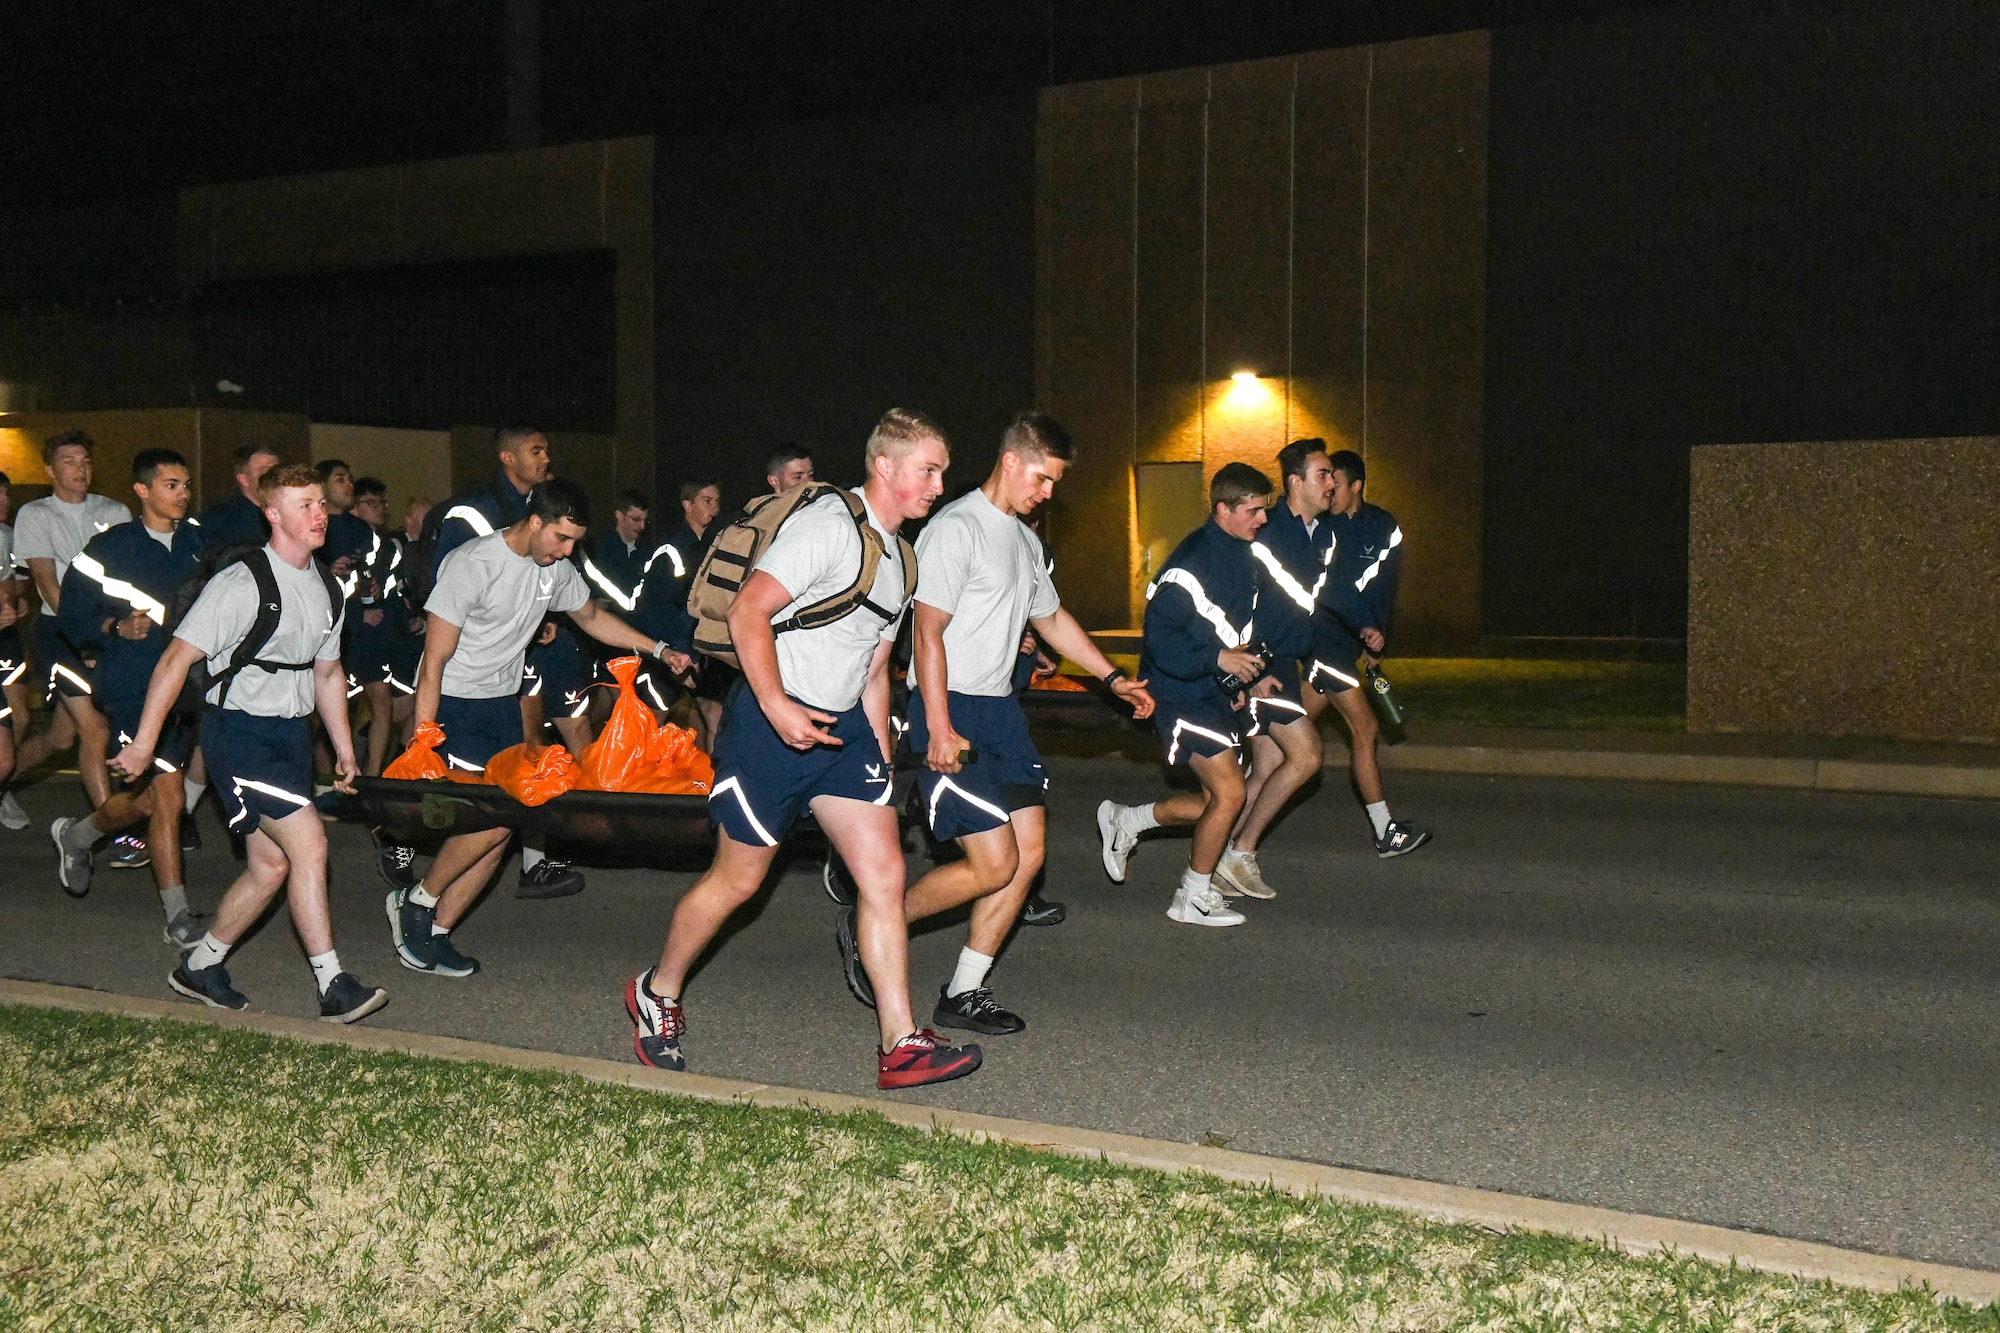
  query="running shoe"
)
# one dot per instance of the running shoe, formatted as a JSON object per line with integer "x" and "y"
{"x": 1205, "y": 908}
{"x": 1117, "y": 843}
{"x": 11, "y": 814}
{"x": 190, "y": 833}
{"x": 185, "y": 930}
{"x": 129, "y": 853}
{"x": 72, "y": 868}
{"x": 847, "y": 933}
{"x": 210, "y": 985}
{"x": 977, "y": 1011}
{"x": 1237, "y": 876}
{"x": 348, "y": 1001}
{"x": 657, "y": 1023}
{"x": 922, "y": 1057}
{"x": 410, "y": 926}
{"x": 1400, "y": 839}
{"x": 445, "y": 958}
{"x": 549, "y": 879}
{"x": 839, "y": 885}
{"x": 1039, "y": 911}
{"x": 395, "y": 862}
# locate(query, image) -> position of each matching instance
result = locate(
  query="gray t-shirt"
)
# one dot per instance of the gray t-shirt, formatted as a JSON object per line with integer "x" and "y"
{"x": 497, "y": 599}
{"x": 6, "y": 550}
{"x": 984, "y": 568}
{"x": 308, "y": 630}
{"x": 814, "y": 556}
{"x": 52, "y": 529}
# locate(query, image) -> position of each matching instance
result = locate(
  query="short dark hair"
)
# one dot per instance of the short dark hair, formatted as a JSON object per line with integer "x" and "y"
{"x": 690, "y": 489}
{"x": 243, "y": 453}
{"x": 1292, "y": 458}
{"x": 326, "y": 467}
{"x": 370, "y": 486}
{"x": 5, "y": 482}
{"x": 64, "y": 440}
{"x": 505, "y": 438}
{"x": 790, "y": 452}
{"x": 1235, "y": 483}
{"x": 631, "y": 499}
{"x": 1349, "y": 462}
{"x": 146, "y": 464}
{"x": 560, "y": 498}
{"x": 1037, "y": 435}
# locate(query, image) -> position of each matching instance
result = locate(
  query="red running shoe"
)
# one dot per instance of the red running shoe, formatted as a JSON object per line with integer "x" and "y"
{"x": 922, "y": 1057}
{"x": 658, "y": 1025}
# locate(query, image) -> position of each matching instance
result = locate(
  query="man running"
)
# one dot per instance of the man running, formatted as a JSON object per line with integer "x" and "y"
{"x": 1295, "y": 550}
{"x": 114, "y": 602}
{"x": 258, "y": 744}
{"x": 1367, "y": 556}
{"x": 981, "y": 579}
{"x": 490, "y": 598}
{"x": 810, "y": 729}
{"x": 701, "y": 504}
{"x": 1200, "y": 660}
{"x": 48, "y": 535}
{"x": 380, "y": 654}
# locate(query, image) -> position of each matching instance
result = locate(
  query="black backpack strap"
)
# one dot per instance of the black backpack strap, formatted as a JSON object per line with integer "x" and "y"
{"x": 270, "y": 609}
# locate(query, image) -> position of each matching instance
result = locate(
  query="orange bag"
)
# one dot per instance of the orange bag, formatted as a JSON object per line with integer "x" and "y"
{"x": 533, "y": 779}
{"x": 420, "y": 763}
{"x": 633, "y": 754}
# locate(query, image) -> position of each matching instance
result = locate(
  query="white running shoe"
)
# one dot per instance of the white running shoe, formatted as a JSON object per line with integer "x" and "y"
{"x": 1203, "y": 909}
{"x": 1237, "y": 876}
{"x": 1117, "y": 843}
{"x": 11, "y": 814}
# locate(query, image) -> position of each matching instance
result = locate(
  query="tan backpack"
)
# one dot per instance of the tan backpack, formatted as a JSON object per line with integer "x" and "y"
{"x": 737, "y": 548}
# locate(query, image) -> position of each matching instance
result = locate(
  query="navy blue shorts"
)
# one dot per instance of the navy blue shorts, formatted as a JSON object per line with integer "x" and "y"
{"x": 1275, "y": 710}
{"x": 13, "y": 656}
{"x": 261, "y": 767}
{"x": 477, "y": 729}
{"x": 1005, "y": 775}
{"x": 171, "y": 752}
{"x": 1201, "y": 725}
{"x": 763, "y": 785}
{"x": 557, "y": 673}
{"x": 64, "y": 672}
{"x": 378, "y": 656}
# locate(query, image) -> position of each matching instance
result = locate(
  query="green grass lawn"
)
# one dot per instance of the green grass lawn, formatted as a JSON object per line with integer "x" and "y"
{"x": 1527, "y": 692}
{"x": 166, "y": 1175}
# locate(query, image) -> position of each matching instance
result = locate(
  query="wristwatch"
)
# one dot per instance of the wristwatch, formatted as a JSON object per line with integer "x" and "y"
{"x": 1113, "y": 676}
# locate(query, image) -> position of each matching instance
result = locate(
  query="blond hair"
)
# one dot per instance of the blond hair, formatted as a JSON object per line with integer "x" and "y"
{"x": 899, "y": 431}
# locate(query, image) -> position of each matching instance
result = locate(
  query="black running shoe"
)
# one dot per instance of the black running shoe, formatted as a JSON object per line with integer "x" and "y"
{"x": 658, "y": 1025}
{"x": 976, "y": 1010}
{"x": 446, "y": 960}
{"x": 846, "y": 930}
{"x": 129, "y": 853}
{"x": 839, "y": 885}
{"x": 210, "y": 985}
{"x": 394, "y": 861}
{"x": 1039, "y": 911}
{"x": 348, "y": 1001}
{"x": 1400, "y": 839}
{"x": 549, "y": 879}
{"x": 190, "y": 834}
{"x": 410, "y": 926}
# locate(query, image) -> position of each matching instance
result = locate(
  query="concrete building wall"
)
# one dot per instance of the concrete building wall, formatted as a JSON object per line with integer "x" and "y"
{"x": 206, "y": 437}
{"x": 1845, "y": 589}
{"x": 1317, "y": 221}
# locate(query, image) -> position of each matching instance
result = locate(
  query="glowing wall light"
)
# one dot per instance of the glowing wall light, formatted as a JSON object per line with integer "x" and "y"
{"x": 1246, "y": 392}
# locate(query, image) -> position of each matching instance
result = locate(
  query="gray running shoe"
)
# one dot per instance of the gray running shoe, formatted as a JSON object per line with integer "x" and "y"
{"x": 72, "y": 868}
{"x": 185, "y": 930}
{"x": 11, "y": 814}
{"x": 1238, "y": 876}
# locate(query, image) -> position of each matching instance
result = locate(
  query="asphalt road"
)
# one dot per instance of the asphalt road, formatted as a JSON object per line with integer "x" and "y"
{"x": 1772, "y": 1010}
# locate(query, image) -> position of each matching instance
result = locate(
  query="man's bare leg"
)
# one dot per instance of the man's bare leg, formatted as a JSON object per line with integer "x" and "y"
{"x": 381, "y": 728}
{"x": 576, "y": 733}
{"x": 463, "y": 867}
{"x": 92, "y": 733}
{"x": 990, "y": 864}
{"x": 1282, "y": 761}
{"x": 866, "y": 837}
{"x": 731, "y": 880}
{"x": 1362, "y": 731}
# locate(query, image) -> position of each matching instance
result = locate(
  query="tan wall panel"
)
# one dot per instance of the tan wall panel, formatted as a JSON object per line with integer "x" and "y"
{"x": 206, "y": 438}
{"x": 1426, "y": 309}
{"x": 290, "y": 224}
{"x": 1084, "y": 247}
{"x": 413, "y": 462}
{"x": 1328, "y": 282}
{"x": 1845, "y": 589}
{"x": 1167, "y": 349}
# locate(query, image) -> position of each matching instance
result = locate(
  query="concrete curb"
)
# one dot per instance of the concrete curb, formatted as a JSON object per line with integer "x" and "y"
{"x": 1633, "y": 1233}
{"x": 1832, "y": 775}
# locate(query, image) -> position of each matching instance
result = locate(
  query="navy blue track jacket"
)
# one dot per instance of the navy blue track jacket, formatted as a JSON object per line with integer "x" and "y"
{"x": 1368, "y": 557}
{"x": 121, "y": 571}
{"x": 1300, "y": 585}
{"x": 488, "y": 507}
{"x": 661, "y": 609}
{"x": 1204, "y": 600}
{"x": 613, "y": 573}
{"x": 235, "y": 520}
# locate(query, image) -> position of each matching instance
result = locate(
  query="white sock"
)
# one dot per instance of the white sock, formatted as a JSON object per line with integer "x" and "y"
{"x": 1136, "y": 818}
{"x": 325, "y": 966}
{"x": 1193, "y": 883}
{"x": 421, "y": 896}
{"x": 193, "y": 791}
{"x": 173, "y": 902}
{"x": 1378, "y": 815}
{"x": 531, "y": 856}
{"x": 207, "y": 953}
{"x": 436, "y": 929}
{"x": 971, "y": 973}
{"x": 81, "y": 835}
{"x": 1233, "y": 850}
